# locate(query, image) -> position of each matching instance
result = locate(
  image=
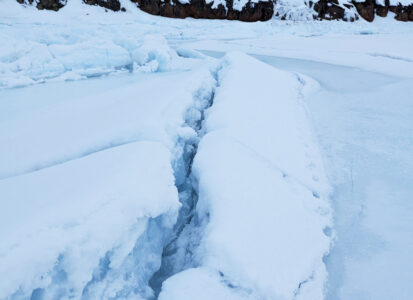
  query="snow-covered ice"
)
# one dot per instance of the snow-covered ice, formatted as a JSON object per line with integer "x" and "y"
{"x": 139, "y": 160}
{"x": 97, "y": 163}
{"x": 60, "y": 224}
{"x": 262, "y": 188}
{"x": 58, "y": 131}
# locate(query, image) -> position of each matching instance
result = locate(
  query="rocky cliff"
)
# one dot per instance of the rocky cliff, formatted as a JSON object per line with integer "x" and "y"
{"x": 256, "y": 10}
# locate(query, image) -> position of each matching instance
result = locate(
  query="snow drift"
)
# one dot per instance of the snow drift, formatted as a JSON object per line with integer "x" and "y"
{"x": 88, "y": 190}
{"x": 262, "y": 192}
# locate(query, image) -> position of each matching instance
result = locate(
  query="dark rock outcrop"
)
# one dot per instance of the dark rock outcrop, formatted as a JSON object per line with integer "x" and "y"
{"x": 109, "y": 4}
{"x": 331, "y": 10}
{"x": 58, "y": 4}
{"x": 381, "y": 10}
{"x": 366, "y": 9}
{"x": 262, "y": 10}
{"x": 46, "y": 4}
{"x": 370, "y": 8}
{"x": 403, "y": 13}
{"x": 199, "y": 9}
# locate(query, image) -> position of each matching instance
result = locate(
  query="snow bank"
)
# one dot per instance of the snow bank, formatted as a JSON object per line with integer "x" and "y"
{"x": 72, "y": 56}
{"x": 154, "y": 54}
{"x": 88, "y": 183}
{"x": 262, "y": 190}
{"x": 29, "y": 62}
{"x": 93, "y": 56}
{"x": 59, "y": 224}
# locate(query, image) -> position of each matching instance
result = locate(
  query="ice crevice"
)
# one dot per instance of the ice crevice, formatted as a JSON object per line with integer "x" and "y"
{"x": 191, "y": 212}
{"x": 161, "y": 251}
{"x": 130, "y": 234}
{"x": 178, "y": 253}
{"x": 301, "y": 285}
{"x": 258, "y": 172}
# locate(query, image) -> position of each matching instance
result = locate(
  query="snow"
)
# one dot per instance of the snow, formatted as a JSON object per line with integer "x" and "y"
{"x": 85, "y": 159}
{"x": 294, "y": 10}
{"x": 261, "y": 186}
{"x": 393, "y": 2}
{"x": 60, "y": 132}
{"x": 78, "y": 57}
{"x": 56, "y": 47}
{"x": 57, "y": 56}
{"x": 216, "y": 3}
{"x": 364, "y": 123}
{"x": 382, "y": 53}
{"x": 240, "y": 4}
{"x": 38, "y": 62}
{"x": 199, "y": 283}
{"x": 76, "y": 213}
{"x": 154, "y": 54}
{"x": 98, "y": 140}
{"x": 366, "y": 136}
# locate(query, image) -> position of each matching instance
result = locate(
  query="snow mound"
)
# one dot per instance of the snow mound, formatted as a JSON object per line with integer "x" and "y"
{"x": 262, "y": 190}
{"x": 154, "y": 55}
{"x": 82, "y": 213}
{"x": 28, "y": 62}
{"x": 90, "y": 57}
{"x": 84, "y": 219}
{"x": 41, "y": 58}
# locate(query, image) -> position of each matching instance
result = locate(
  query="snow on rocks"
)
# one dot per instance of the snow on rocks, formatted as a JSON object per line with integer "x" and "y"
{"x": 262, "y": 192}
{"x": 254, "y": 10}
{"x": 249, "y": 11}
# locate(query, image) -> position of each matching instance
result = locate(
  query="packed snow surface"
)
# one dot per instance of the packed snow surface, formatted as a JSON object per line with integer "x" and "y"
{"x": 139, "y": 160}
{"x": 78, "y": 125}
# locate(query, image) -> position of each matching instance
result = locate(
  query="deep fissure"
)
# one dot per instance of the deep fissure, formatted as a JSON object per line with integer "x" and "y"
{"x": 178, "y": 252}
